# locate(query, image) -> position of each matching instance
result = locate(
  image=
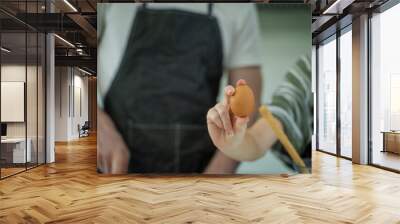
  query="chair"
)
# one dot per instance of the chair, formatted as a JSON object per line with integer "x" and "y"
{"x": 84, "y": 130}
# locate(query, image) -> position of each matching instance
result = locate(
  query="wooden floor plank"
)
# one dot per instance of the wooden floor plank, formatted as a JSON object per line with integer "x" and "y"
{"x": 70, "y": 191}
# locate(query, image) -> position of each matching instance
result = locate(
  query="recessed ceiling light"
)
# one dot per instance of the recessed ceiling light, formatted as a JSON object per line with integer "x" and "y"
{"x": 70, "y": 5}
{"x": 65, "y": 41}
{"x": 338, "y": 6}
{"x": 5, "y": 50}
{"x": 328, "y": 10}
{"x": 84, "y": 71}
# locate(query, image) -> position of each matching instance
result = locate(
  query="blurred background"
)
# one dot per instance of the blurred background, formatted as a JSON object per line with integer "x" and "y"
{"x": 286, "y": 37}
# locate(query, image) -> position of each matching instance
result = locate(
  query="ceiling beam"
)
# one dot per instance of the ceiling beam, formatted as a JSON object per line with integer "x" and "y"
{"x": 337, "y": 6}
{"x": 82, "y": 61}
{"x": 84, "y": 24}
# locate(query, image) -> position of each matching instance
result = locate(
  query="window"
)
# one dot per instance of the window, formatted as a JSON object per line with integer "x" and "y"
{"x": 394, "y": 102}
{"x": 346, "y": 93}
{"x": 327, "y": 96}
{"x": 385, "y": 89}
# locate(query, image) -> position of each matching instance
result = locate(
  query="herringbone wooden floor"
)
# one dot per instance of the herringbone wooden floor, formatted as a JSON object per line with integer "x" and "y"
{"x": 70, "y": 191}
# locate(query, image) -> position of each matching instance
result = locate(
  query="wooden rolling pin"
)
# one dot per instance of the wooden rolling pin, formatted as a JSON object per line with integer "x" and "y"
{"x": 271, "y": 120}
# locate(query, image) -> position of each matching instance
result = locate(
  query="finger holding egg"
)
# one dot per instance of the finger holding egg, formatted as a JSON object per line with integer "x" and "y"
{"x": 229, "y": 91}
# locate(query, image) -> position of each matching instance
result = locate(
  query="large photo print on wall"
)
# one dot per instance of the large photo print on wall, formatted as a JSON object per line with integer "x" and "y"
{"x": 213, "y": 88}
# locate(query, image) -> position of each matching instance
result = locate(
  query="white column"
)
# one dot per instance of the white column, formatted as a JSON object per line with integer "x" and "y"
{"x": 360, "y": 90}
{"x": 50, "y": 94}
{"x": 314, "y": 91}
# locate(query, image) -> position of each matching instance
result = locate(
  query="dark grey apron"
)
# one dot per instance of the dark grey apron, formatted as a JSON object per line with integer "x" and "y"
{"x": 168, "y": 79}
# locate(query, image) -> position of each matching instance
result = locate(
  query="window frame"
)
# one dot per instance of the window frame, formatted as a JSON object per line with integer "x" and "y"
{"x": 334, "y": 37}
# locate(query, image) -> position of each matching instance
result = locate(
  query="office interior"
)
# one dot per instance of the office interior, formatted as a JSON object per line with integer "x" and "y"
{"x": 48, "y": 78}
{"x": 355, "y": 67}
{"x": 48, "y": 95}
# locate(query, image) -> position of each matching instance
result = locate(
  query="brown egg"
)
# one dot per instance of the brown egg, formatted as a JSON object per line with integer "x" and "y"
{"x": 242, "y": 102}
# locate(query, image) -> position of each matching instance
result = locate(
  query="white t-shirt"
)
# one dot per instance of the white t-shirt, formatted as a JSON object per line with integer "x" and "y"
{"x": 238, "y": 24}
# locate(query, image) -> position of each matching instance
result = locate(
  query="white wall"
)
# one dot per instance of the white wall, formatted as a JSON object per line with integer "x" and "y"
{"x": 79, "y": 117}
{"x": 61, "y": 103}
{"x": 71, "y": 93}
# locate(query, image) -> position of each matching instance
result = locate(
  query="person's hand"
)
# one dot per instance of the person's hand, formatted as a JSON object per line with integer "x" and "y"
{"x": 112, "y": 153}
{"x": 226, "y": 130}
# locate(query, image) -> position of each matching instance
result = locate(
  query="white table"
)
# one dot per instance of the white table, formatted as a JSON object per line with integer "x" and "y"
{"x": 19, "y": 155}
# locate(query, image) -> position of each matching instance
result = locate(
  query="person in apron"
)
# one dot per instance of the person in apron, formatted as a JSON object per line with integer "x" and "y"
{"x": 167, "y": 80}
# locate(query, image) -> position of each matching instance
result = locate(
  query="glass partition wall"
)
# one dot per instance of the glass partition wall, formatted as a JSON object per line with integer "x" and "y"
{"x": 22, "y": 98}
{"x": 334, "y": 94}
{"x": 13, "y": 110}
